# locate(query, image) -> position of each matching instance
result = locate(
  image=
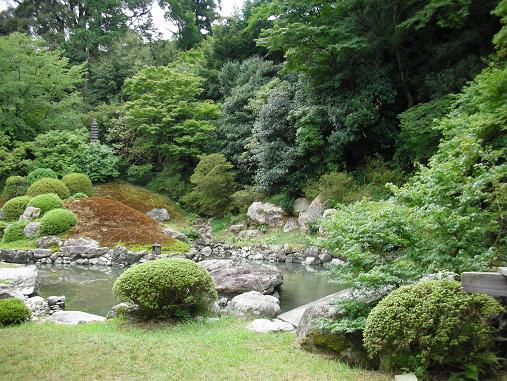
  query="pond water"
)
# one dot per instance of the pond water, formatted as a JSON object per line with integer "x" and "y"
{"x": 88, "y": 288}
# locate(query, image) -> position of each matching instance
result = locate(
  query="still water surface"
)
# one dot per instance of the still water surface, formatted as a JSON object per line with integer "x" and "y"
{"x": 88, "y": 288}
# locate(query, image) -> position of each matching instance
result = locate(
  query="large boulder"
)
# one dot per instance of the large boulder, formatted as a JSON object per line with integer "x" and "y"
{"x": 236, "y": 277}
{"x": 31, "y": 229}
{"x": 48, "y": 241}
{"x": 346, "y": 346}
{"x": 300, "y": 205}
{"x": 18, "y": 279}
{"x": 267, "y": 326}
{"x": 30, "y": 214}
{"x": 82, "y": 248}
{"x": 15, "y": 256}
{"x": 313, "y": 213}
{"x": 253, "y": 305}
{"x": 159, "y": 214}
{"x": 175, "y": 234}
{"x": 267, "y": 214}
{"x": 74, "y": 317}
{"x": 291, "y": 224}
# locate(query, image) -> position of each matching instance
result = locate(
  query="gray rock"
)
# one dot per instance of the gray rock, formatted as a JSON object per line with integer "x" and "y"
{"x": 38, "y": 306}
{"x": 15, "y": 256}
{"x": 235, "y": 229}
{"x": 312, "y": 251}
{"x": 175, "y": 234}
{"x": 74, "y": 317}
{"x": 119, "y": 255}
{"x": 268, "y": 326}
{"x": 20, "y": 279}
{"x": 159, "y": 214}
{"x": 236, "y": 277}
{"x": 47, "y": 241}
{"x": 31, "y": 229}
{"x": 329, "y": 212}
{"x": 311, "y": 261}
{"x": 80, "y": 242}
{"x": 267, "y": 214}
{"x": 56, "y": 303}
{"x": 251, "y": 233}
{"x": 313, "y": 214}
{"x": 122, "y": 309}
{"x": 206, "y": 251}
{"x": 325, "y": 257}
{"x": 346, "y": 346}
{"x": 41, "y": 253}
{"x": 133, "y": 257}
{"x": 30, "y": 214}
{"x": 253, "y": 305}
{"x": 291, "y": 224}
{"x": 300, "y": 205}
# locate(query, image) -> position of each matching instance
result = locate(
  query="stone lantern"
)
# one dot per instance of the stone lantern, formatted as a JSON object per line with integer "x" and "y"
{"x": 156, "y": 249}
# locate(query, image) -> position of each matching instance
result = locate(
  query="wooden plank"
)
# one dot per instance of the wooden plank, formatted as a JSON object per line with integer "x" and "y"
{"x": 503, "y": 271}
{"x": 494, "y": 284}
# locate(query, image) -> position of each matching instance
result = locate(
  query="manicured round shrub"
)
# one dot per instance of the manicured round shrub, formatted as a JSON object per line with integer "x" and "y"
{"x": 78, "y": 183}
{"x": 57, "y": 221}
{"x": 48, "y": 185}
{"x": 431, "y": 325}
{"x": 41, "y": 173}
{"x": 14, "y": 232}
{"x": 13, "y": 311}
{"x": 15, "y": 186}
{"x": 166, "y": 287}
{"x": 15, "y": 207}
{"x": 46, "y": 202}
{"x": 78, "y": 196}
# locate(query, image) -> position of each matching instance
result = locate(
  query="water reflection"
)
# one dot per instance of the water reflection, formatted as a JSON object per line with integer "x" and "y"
{"x": 88, "y": 288}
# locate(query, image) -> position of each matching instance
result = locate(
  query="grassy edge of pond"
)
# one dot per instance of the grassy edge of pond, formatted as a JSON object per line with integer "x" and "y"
{"x": 118, "y": 350}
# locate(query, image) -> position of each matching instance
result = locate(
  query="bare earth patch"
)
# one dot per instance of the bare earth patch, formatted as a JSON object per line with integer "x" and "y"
{"x": 111, "y": 222}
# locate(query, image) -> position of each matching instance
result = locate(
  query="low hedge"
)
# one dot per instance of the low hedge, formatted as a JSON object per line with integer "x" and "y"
{"x": 166, "y": 287}
{"x": 46, "y": 202}
{"x": 78, "y": 183}
{"x": 14, "y": 232}
{"x": 13, "y": 311}
{"x": 48, "y": 185}
{"x": 15, "y": 207}
{"x": 57, "y": 221}
{"x": 15, "y": 186}
{"x": 41, "y": 173}
{"x": 432, "y": 325}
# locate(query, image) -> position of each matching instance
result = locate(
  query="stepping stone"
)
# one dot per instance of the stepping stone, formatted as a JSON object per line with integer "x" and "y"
{"x": 74, "y": 317}
{"x": 265, "y": 326}
{"x": 405, "y": 377}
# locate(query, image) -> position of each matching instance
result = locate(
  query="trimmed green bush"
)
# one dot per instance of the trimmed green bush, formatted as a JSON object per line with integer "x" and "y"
{"x": 46, "y": 202}
{"x": 431, "y": 325}
{"x": 57, "y": 221}
{"x": 14, "y": 232}
{"x": 15, "y": 186}
{"x": 78, "y": 183}
{"x": 242, "y": 199}
{"x": 15, "y": 207}
{"x": 48, "y": 185}
{"x": 13, "y": 311}
{"x": 166, "y": 287}
{"x": 78, "y": 195}
{"x": 41, "y": 173}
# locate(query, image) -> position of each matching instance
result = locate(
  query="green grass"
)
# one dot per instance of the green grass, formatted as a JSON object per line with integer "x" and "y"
{"x": 23, "y": 244}
{"x": 115, "y": 350}
{"x": 175, "y": 247}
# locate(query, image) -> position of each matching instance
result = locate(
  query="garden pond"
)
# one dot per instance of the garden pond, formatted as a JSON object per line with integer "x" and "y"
{"x": 88, "y": 288}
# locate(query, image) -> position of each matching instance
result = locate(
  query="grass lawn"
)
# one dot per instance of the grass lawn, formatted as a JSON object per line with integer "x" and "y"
{"x": 116, "y": 350}
{"x": 23, "y": 244}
